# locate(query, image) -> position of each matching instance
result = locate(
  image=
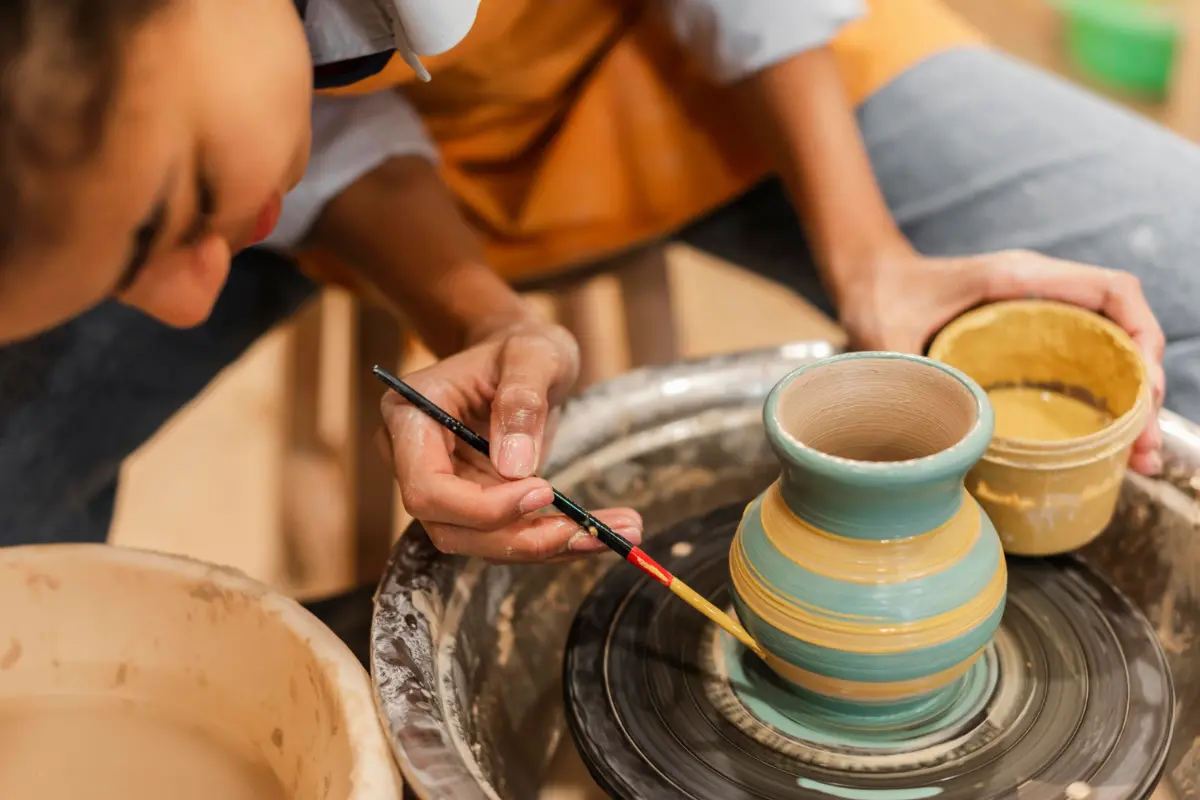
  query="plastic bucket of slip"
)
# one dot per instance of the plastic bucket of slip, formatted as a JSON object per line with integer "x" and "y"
{"x": 1127, "y": 45}
{"x": 128, "y": 674}
{"x": 1048, "y": 496}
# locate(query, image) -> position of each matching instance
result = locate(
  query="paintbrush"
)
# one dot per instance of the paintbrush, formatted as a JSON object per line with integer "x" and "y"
{"x": 572, "y": 510}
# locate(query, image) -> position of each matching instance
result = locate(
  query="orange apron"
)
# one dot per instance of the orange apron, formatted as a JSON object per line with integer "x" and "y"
{"x": 571, "y": 129}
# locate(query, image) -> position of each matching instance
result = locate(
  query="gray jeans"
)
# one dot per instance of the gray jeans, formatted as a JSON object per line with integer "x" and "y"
{"x": 974, "y": 153}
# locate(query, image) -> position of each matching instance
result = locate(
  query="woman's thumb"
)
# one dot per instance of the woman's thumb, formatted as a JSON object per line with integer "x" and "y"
{"x": 521, "y": 407}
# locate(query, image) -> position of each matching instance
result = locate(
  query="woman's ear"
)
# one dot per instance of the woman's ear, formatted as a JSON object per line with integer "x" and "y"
{"x": 180, "y": 289}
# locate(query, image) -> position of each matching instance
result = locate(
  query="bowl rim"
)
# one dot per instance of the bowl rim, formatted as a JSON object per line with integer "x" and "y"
{"x": 373, "y": 772}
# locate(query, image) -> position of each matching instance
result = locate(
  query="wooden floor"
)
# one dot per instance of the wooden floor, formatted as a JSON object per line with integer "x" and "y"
{"x": 208, "y": 485}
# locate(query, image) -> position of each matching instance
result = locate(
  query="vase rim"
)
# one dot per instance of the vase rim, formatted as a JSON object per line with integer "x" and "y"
{"x": 958, "y": 458}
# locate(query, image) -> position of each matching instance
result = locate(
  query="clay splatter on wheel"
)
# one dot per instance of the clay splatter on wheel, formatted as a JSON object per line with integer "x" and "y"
{"x": 1073, "y": 695}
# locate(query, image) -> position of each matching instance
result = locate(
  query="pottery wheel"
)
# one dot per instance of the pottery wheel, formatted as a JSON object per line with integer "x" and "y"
{"x": 1072, "y": 699}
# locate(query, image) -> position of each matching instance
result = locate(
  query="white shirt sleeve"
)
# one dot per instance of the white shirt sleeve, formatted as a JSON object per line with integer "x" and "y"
{"x": 734, "y": 39}
{"x": 352, "y": 135}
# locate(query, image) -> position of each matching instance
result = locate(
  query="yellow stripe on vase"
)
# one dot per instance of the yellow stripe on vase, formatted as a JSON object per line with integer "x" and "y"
{"x": 864, "y": 560}
{"x": 858, "y": 634}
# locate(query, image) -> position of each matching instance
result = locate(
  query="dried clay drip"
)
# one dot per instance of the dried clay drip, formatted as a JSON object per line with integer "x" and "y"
{"x": 872, "y": 579}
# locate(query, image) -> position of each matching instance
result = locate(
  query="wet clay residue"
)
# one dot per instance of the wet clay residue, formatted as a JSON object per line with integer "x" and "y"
{"x": 102, "y": 748}
{"x": 1026, "y": 412}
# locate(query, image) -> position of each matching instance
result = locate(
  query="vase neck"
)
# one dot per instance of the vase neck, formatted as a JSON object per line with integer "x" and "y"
{"x": 875, "y": 511}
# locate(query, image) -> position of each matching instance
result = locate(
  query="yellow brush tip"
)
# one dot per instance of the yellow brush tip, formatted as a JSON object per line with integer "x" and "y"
{"x": 723, "y": 620}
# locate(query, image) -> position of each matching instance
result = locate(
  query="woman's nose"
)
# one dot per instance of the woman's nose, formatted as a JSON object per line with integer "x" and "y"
{"x": 181, "y": 289}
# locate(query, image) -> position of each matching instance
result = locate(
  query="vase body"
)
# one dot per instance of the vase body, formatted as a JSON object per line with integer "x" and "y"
{"x": 866, "y": 571}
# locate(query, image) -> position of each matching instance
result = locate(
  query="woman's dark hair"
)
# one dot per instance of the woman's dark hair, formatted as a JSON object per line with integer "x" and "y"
{"x": 60, "y": 69}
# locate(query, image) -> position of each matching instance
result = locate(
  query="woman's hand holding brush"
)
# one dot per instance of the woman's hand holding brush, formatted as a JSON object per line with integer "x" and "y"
{"x": 593, "y": 524}
{"x": 506, "y": 385}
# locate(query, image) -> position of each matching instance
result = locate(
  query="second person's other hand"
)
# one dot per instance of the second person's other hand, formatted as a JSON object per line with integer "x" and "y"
{"x": 903, "y": 301}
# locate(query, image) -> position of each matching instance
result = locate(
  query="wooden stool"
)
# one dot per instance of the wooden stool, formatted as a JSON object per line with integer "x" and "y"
{"x": 329, "y": 490}
{"x": 338, "y": 503}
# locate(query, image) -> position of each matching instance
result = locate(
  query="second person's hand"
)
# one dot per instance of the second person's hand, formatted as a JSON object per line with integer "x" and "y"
{"x": 505, "y": 387}
{"x": 902, "y": 301}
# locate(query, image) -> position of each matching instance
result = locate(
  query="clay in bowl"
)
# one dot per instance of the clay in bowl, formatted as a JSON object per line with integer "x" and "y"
{"x": 1070, "y": 395}
{"x": 128, "y": 675}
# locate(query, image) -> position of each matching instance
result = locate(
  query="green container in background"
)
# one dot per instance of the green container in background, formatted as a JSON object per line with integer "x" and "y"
{"x": 1127, "y": 45}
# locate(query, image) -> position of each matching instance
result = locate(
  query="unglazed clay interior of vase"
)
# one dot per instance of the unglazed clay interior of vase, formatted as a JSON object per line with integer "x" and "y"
{"x": 132, "y": 676}
{"x": 863, "y": 409}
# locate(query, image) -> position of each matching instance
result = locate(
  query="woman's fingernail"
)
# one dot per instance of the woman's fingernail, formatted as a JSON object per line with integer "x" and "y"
{"x": 1154, "y": 463}
{"x": 583, "y": 542}
{"x": 536, "y": 500}
{"x": 518, "y": 456}
{"x": 632, "y": 534}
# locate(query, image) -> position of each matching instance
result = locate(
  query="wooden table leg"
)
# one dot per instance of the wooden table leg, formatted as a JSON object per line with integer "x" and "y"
{"x": 379, "y": 339}
{"x": 645, "y": 281}
{"x": 314, "y": 509}
{"x": 578, "y": 309}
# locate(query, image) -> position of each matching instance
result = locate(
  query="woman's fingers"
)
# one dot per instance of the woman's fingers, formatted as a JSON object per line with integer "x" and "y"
{"x": 1148, "y": 448}
{"x": 528, "y": 368}
{"x": 1146, "y": 456}
{"x": 1146, "y": 460}
{"x": 536, "y": 368}
{"x": 1113, "y": 293}
{"x": 538, "y": 538}
{"x": 429, "y": 486}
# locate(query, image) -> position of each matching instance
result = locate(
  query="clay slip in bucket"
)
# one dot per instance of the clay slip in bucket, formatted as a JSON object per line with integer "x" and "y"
{"x": 127, "y": 675}
{"x": 1070, "y": 393}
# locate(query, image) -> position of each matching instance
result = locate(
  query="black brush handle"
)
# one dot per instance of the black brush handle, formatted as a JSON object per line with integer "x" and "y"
{"x": 572, "y": 510}
{"x": 434, "y": 411}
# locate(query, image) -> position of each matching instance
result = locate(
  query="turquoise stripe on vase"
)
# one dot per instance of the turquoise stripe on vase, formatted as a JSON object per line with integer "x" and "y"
{"x": 879, "y": 500}
{"x": 869, "y": 667}
{"x": 900, "y": 601}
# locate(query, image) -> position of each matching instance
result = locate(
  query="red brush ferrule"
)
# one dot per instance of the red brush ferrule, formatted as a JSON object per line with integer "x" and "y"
{"x": 649, "y": 566}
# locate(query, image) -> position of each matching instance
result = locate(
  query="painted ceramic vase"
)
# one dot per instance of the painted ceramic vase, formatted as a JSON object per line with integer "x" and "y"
{"x": 867, "y": 571}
